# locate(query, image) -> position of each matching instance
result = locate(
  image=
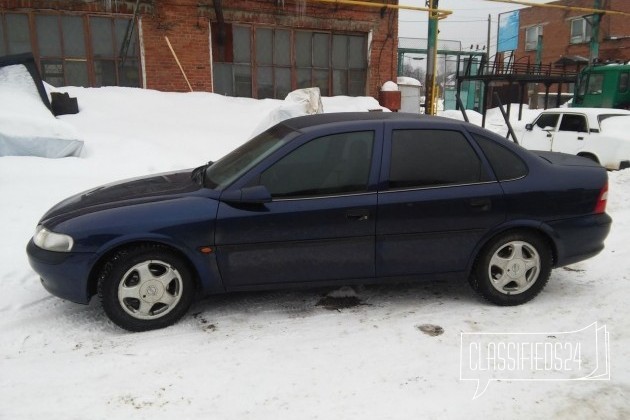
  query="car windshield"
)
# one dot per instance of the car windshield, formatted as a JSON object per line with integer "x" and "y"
{"x": 229, "y": 168}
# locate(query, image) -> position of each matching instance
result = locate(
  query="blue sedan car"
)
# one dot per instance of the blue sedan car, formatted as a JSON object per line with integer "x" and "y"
{"x": 329, "y": 199}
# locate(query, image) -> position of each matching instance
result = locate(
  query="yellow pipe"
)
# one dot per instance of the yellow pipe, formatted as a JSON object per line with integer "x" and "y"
{"x": 441, "y": 13}
{"x": 558, "y": 6}
{"x": 433, "y": 87}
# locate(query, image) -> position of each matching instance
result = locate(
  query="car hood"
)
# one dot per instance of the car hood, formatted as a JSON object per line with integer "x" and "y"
{"x": 127, "y": 192}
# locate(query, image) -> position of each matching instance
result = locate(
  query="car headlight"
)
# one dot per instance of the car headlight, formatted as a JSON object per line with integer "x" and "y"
{"x": 52, "y": 241}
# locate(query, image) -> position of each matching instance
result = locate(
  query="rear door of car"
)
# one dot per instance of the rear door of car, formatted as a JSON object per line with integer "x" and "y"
{"x": 437, "y": 198}
{"x": 572, "y": 135}
{"x": 320, "y": 225}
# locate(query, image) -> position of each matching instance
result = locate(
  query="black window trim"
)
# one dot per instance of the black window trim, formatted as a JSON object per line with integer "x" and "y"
{"x": 433, "y": 187}
{"x": 324, "y": 197}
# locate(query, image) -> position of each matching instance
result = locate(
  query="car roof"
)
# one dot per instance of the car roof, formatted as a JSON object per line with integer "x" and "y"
{"x": 607, "y": 67}
{"x": 299, "y": 123}
{"x": 590, "y": 111}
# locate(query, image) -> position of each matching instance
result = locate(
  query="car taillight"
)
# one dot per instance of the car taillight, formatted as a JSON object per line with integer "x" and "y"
{"x": 602, "y": 199}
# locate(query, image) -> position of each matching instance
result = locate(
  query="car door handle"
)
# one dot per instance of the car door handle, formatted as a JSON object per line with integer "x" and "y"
{"x": 358, "y": 215}
{"x": 481, "y": 204}
{"x": 549, "y": 135}
{"x": 580, "y": 138}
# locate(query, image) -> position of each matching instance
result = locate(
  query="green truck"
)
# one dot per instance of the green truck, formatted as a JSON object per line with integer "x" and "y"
{"x": 603, "y": 86}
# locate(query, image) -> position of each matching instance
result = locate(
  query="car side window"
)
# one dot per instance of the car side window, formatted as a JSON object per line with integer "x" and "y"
{"x": 506, "y": 164}
{"x": 573, "y": 122}
{"x": 334, "y": 164}
{"x": 548, "y": 121}
{"x": 623, "y": 81}
{"x": 428, "y": 158}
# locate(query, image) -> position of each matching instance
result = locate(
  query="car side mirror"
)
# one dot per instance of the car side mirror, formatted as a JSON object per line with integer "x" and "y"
{"x": 529, "y": 127}
{"x": 258, "y": 194}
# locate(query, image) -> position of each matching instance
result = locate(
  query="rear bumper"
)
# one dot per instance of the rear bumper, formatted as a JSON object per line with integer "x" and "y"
{"x": 63, "y": 274}
{"x": 580, "y": 238}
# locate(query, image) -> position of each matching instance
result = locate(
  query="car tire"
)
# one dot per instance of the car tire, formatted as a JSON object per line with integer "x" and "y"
{"x": 145, "y": 288}
{"x": 512, "y": 268}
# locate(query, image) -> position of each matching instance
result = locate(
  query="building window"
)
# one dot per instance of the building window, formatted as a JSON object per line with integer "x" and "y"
{"x": 273, "y": 64}
{"x": 531, "y": 37}
{"x": 580, "y": 30}
{"x": 263, "y": 62}
{"x": 62, "y": 52}
{"x": 15, "y": 37}
{"x": 75, "y": 50}
{"x": 115, "y": 52}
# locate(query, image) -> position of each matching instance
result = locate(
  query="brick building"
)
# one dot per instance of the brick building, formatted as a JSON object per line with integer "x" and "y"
{"x": 566, "y": 35}
{"x": 250, "y": 48}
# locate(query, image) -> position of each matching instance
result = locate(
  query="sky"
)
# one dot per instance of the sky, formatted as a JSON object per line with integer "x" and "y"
{"x": 468, "y": 23}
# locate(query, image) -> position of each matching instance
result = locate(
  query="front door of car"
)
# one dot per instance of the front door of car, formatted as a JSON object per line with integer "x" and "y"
{"x": 320, "y": 224}
{"x": 572, "y": 134}
{"x": 436, "y": 201}
{"x": 540, "y": 137}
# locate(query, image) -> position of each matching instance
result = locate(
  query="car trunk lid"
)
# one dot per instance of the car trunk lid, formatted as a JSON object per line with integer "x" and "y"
{"x": 565, "y": 159}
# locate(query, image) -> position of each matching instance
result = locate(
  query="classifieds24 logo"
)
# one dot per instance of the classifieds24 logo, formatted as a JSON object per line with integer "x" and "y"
{"x": 551, "y": 356}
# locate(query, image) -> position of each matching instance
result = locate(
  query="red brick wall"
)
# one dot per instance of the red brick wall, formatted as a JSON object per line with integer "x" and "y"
{"x": 187, "y": 25}
{"x": 188, "y": 33}
{"x": 557, "y": 31}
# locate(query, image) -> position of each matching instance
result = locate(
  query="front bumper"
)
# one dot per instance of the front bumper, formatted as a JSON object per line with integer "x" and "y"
{"x": 63, "y": 274}
{"x": 580, "y": 238}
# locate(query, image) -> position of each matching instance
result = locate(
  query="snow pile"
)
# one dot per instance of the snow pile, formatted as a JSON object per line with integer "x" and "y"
{"x": 308, "y": 101}
{"x": 351, "y": 104}
{"x": 297, "y": 103}
{"x": 27, "y": 127}
{"x": 409, "y": 81}
{"x": 389, "y": 86}
{"x": 494, "y": 118}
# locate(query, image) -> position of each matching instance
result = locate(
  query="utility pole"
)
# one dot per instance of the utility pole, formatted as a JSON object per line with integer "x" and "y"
{"x": 539, "y": 51}
{"x": 488, "y": 41}
{"x": 430, "y": 100}
{"x": 597, "y": 17}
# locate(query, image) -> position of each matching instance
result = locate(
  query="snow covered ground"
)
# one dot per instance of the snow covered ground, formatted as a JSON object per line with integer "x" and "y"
{"x": 275, "y": 355}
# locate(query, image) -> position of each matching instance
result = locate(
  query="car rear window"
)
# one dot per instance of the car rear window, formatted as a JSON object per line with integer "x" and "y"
{"x": 506, "y": 164}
